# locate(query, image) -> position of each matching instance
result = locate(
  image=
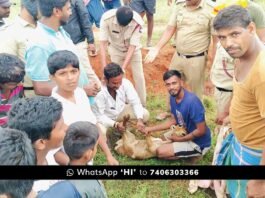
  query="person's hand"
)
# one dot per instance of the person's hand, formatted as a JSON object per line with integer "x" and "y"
{"x": 145, "y": 130}
{"x": 124, "y": 70}
{"x": 256, "y": 189}
{"x": 226, "y": 121}
{"x": 140, "y": 125}
{"x": 208, "y": 88}
{"x": 150, "y": 57}
{"x": 91, "y": 49}
{"x": 112, "y": 161}
{"x": 175, "y": 138}
{"x": 220, "y": 118}
{"x": 92, "y": 89}
{"x": 120, "y": 127}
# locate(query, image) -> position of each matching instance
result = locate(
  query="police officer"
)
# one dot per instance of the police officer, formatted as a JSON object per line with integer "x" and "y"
{"x": 120, "y": 32}
{"x": 191, "y": 20}
{"x": 4, "y": 11}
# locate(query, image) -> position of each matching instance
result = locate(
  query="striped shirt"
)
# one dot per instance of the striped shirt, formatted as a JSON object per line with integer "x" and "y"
{"x": 6, "y": 103}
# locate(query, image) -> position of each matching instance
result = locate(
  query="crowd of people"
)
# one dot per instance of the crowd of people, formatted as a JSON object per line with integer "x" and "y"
{"x": 55, "y": 110}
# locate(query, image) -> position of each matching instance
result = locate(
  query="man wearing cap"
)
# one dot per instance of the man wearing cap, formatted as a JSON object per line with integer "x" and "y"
{"x": 15, "y": 36}
{"x": 120, "y": 31}
{"x": 4, "y": 10}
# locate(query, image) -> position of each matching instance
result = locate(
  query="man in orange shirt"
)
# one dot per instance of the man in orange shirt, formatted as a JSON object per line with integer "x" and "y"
{"x": 245, "y": 145}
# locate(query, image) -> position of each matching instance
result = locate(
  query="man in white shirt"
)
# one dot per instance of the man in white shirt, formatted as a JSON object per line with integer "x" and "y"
{"x": 116, "y": 99}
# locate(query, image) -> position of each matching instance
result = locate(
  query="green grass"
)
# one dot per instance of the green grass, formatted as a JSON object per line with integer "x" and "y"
{"x": 158, "y": 102}
{"x": 155, "y": 104}
{"x": 161, "y": 18}
{"x": 152, "y": 189}
{"x": 158, "y": 188}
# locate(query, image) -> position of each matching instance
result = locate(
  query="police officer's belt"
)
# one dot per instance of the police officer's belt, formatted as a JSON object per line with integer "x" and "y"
{"x": 191, "y": 56}
{"x": 28, "y": 88}
{"x": 225, "y": 90}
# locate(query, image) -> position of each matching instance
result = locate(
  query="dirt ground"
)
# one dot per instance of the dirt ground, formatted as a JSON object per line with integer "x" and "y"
{"x": 153, "y": 72}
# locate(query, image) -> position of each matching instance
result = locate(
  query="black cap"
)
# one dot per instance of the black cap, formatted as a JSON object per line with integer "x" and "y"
{"x": 124, "y": 15}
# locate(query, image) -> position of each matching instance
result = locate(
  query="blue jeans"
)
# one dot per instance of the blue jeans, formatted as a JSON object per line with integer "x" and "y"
{"x": 111, "y": 4}
{"x": 95, "y": 10}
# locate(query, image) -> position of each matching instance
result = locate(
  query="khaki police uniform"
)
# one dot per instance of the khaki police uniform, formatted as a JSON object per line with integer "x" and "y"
{"x": 194, "y": 29}
{"x": 221, "y": 75}
{"x": 14, "y": 38}
{"x": 120, "y": 38}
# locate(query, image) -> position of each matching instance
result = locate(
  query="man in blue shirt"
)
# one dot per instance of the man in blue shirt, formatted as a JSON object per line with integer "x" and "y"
{"x": 186, "y": 111}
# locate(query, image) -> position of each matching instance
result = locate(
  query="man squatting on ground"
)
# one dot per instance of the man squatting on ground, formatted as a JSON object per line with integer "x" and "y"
{"x": 186, "y": 111}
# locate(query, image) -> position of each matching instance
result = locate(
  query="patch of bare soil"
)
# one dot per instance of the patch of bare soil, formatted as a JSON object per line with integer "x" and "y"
{"x": 153, "y": 72}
